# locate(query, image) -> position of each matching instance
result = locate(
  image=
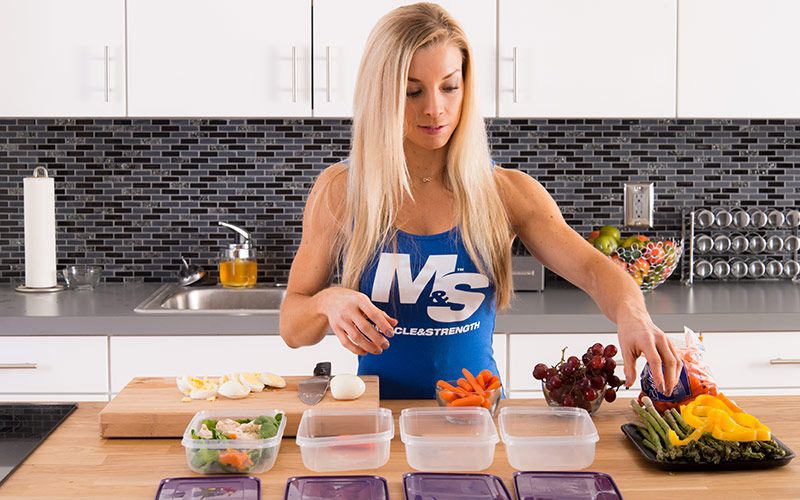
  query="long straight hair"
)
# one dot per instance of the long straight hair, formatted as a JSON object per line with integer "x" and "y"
{"x": 378, "y": 174}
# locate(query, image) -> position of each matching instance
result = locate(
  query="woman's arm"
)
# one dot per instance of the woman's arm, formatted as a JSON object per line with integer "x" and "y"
{"x": 538, "y": 222}
{"x": 312, "y": 307}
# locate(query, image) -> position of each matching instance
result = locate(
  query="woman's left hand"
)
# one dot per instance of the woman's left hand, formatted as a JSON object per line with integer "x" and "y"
{"x": 639, "y": 336}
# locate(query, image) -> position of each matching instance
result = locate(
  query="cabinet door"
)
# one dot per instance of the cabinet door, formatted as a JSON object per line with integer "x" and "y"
{"x": 737, "y": 58}
{"x": 62, "y": 58}
{"x": 754, "y": 360}
{"x": 587, "y": 58}
{"x": 216, "y": 355}
{"x": 219, "y": 58}
{"x": 341, "y": 28}
{"x": 526, "y": 350}
{"x": 36, "y": 368}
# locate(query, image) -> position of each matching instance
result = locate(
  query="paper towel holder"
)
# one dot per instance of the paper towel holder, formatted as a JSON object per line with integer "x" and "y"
{"x": 39, "y": 171}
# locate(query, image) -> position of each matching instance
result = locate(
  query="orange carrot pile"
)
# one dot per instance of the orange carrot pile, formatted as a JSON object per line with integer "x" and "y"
{"x": 470, "y": 390}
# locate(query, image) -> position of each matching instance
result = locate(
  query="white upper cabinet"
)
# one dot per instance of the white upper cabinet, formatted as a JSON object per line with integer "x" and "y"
{"x": 219, "y": 58}
{"x": 341, "y": 28}
{"x": 62, "y": 58}
{"x": 587, "y": 58}
{"x": 738, "y": 59}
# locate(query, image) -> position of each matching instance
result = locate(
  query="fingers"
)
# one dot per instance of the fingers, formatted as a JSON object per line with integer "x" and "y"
{"x": 669, "y": 361}
{"x": 345, "y": 341}
{"x": 371, "y": 333}
{"x": 629, "y": 359}
{"x": 382, "y": 321}
{"x": 654, "y": 360}
{"x": 355, "y": 336}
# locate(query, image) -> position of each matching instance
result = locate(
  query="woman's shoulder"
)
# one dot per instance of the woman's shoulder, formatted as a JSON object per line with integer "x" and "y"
{"x": 333, "y": 179}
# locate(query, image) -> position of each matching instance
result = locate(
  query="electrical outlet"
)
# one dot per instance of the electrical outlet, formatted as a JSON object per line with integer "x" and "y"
{"x": 638, "y": 205}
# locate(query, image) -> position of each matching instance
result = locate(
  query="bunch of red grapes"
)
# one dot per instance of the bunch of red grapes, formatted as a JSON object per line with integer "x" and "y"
{"x": 579, "y": 382}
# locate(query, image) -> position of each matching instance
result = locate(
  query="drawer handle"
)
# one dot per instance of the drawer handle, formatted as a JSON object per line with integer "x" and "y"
{"x": 781, "y": 361}
{"x": 18, "y": 366}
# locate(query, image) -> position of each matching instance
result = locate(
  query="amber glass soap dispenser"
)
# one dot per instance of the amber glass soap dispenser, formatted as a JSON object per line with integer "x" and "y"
{"x": 238, "y": 267}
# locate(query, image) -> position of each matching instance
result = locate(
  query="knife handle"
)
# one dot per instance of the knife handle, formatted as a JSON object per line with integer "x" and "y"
{"x": 323, "y": 369}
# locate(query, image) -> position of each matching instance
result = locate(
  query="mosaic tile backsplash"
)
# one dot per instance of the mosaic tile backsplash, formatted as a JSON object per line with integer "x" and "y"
{"x": 135, "y": 194}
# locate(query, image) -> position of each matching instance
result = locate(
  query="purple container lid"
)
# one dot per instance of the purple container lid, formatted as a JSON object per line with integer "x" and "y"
{"x": 426, "y": 485}
{"x": 210, "y": 487}
{"x": 565, "y": 486}
{"x": 336, "y": 488}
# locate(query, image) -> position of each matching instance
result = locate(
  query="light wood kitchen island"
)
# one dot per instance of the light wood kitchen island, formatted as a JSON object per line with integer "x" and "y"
{"x": 75, "y": 462}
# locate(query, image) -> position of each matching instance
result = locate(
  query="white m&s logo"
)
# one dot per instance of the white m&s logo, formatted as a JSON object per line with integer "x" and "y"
{"x": 446, "y": 303}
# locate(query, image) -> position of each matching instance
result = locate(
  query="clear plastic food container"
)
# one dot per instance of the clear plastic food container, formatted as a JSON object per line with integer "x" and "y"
{"x": 238, "y": 456}
{"x": 448, "y": 439}
{"x": 442, "y": 486}
{"x": 548, "y": 438}
{"x": 338, "y": 440}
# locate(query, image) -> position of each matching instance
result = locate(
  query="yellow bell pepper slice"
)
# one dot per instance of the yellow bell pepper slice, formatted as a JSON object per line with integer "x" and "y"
{"x": 723, "y": 419}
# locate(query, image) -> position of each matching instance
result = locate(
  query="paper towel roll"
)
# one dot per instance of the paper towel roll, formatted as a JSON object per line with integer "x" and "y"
{"x": 40, "y": 230}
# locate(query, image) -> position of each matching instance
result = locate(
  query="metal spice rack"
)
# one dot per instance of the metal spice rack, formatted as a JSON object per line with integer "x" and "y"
{"x": 735, "y": 244}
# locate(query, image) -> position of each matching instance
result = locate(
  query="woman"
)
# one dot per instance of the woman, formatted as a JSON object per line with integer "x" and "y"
{"x": 419, "y": 223}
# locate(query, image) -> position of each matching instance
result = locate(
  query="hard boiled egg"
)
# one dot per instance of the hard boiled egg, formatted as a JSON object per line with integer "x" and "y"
{"x": 232, "y": 389}
{"x": 251, "y": 381}
{"x": 196, "y": 387}
{"x": 272, "y": 380}
{"x": 347, "y": 386}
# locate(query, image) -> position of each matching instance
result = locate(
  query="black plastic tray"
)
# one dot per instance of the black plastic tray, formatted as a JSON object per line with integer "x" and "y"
{"x": 632, "y": 432}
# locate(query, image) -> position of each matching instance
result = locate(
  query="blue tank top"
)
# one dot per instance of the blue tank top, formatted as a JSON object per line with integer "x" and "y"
{"x": 445, "y": 310}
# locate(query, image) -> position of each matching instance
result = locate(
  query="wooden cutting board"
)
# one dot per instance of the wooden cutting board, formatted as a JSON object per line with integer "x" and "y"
{"x": 153, "y": 406}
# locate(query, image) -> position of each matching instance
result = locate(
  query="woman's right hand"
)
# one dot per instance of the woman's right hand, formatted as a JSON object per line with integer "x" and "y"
{"x": 359, "y": 325}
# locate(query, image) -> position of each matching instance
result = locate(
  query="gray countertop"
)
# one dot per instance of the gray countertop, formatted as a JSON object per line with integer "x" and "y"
{"x": 108, "y": 310}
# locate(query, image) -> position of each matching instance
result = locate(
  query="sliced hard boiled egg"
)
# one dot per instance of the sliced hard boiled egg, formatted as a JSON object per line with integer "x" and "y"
{"x": 203, "y": 393}
{"x": 233, "y": 389}
{"x": 251, "y": 381}
{"x": 183, "y": 383}
{"x": 272, "y": 380}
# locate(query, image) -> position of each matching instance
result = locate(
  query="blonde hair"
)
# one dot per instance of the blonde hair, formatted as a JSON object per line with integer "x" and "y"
{"x": 378, "y": 175}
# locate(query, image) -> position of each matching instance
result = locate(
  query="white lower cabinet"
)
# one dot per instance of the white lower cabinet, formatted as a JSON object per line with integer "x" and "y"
{"x": 53, "y": 368}
{"x": 528, "y": 349}
{"x": 754, "y": 360}
{"x": 216, "y": 355}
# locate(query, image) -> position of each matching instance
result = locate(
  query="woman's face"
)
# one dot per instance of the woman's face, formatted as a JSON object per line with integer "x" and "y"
{"x": 433, "y": 97}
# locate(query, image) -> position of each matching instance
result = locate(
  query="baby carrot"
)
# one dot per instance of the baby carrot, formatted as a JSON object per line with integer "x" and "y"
{"x": 473, "y": 400}
{"x": 486, "y": 404}
{"x": 474, "y": 383}
{"x": 492, "y": 380}
{"x": 444, "y": 385}
{"x": 465, "y": 385}
{"x": 449, "y": 396}
{"x": 493, "y": 386}
{"x": 481, "y": 380}
{"x": 486, "y": 374}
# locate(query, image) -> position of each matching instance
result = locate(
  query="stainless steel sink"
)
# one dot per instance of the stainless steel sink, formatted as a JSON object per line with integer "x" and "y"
{"x": 214, "y": 299}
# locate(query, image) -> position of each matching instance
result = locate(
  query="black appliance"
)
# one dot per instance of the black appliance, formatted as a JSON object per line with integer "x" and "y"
{"x": 23, "y": 427}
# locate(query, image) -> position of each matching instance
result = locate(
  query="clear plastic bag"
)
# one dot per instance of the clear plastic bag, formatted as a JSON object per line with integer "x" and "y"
{"x": 695, "y": 378}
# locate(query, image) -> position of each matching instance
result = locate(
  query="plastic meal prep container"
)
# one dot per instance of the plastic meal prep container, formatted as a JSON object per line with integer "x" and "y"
{"x": 565, "y": 486}
{"x": 548, "y": 438}
{"x": 186, "y": 488}
{"x": 337, "y": 440}
{"x": 206, "y": 456}
{"x": 336, "y": 487}
{"x": 448, "y": 439}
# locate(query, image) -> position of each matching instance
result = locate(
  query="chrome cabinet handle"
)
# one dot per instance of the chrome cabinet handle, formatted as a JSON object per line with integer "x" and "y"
{"x": 514, "y": 71}
{"x": 294, "y": 73}
{"x": 328, "y": 73}
{"x": 18, "y": 366}
{"x": 781, "y": 361}
{"x": 105, "y": 70}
